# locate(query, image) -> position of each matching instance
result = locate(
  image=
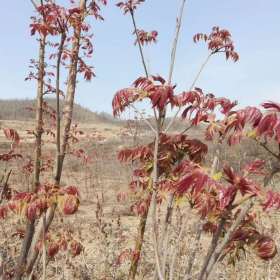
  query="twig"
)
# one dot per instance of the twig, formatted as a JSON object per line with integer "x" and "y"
{"x": 191, "y": 88}
{"x": 174, "y": 253}
{"x": 5, "y": 186}
{"x": 34, "y": 4}
{"x": 175, "y": 43}
{"x": 143, "y": 118}
{"x": 139, "y": 43}
{"x": 192, "y": 257}
{"x": 186, "y": 129}
{"x": 200, "y": 71}
{"x": 267, "y": 149}
{"x": 154, "y": 206}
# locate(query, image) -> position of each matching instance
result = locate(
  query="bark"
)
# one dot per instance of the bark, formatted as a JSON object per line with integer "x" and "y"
{"x": 67, "y": 120}
{"x": 138, "y": 246}
{"x": 217, "y": 253}
{"x": 153, "y": 207}
{"x": 4, "y": 186}
{"x": 192, "y": 257}
{"x": 213, "y": 246}
{"x": 175, "y": 250}
{"x": 143, "y": 220}
{"x": 37, "y": 161}
{"x": 58, "y": 168}
{"x": 163, "y": 243}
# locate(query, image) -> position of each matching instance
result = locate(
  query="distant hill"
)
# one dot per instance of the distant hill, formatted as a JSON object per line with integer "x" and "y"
{"x": 16, "y": 109}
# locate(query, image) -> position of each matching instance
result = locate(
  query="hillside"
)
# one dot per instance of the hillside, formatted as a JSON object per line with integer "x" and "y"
{"x": 17, "y": 109}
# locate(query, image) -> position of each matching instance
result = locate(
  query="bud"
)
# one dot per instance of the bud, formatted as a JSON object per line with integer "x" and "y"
{"x": 75, "y": 248}
{"x": 70, "y": 204}
{"x": 3, "y": 212}
{"x": 266, "y": 248}
{"x": 53, "y": 249}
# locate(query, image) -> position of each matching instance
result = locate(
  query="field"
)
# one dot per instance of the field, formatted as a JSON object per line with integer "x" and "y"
{"x": 106, "y": 226}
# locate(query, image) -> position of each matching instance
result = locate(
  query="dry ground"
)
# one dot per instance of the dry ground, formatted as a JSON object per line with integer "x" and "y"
{"x": 107, "y": 227}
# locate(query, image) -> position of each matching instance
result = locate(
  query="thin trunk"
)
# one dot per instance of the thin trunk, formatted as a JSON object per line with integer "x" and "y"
{"x": 33, "y": 252}
{"x": 213, "y": 246}
{"x": 154, "y": 204}
{"x": 143, "y": 220}
{"x": 37, "y": 161}
{"x": 44, "y": 248}
{"x": 138, "y": 246}
{"x": 175, "y": 250}
{"x": 166, "y": 230}
{"x": 215, "y": 257}
{"x": 163, "y": 243}
{"x": 68, "y": 112}
{"x": 5, "y": 186}
{"x": 192, "y": 257}
{"x": 58, "y": 169}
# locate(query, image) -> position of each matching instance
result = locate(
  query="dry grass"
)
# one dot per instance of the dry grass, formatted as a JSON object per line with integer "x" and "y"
{"x": 107, "y": 227}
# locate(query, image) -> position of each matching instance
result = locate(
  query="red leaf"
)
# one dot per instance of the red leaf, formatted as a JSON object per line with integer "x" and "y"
{"x": 271, "y": 105}
{"x": 12, "y": 134}
{"x": 70, "y": 204}
{"x": 266, "y": 248}
{"x": 122, "y": 99}
{"x": 255, "y": 167}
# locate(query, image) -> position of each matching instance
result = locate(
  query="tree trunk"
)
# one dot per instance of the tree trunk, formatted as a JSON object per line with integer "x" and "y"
{"x": 37, "y": 161}
{"x": 67, "y": 120}
{"x": 138, "y": 246}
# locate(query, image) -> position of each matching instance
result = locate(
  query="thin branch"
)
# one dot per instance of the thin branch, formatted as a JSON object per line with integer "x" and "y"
{"x": 191, "y": 88}
{"x": 267, "y": 149}
{"x": 5, "y": 186}
{"x": 195, "y": 250}
{"x": 143, "y": 118}
{"x": 141, "y": 52}
{"x": 200, "y": 71}
{"x": 175, "y": 43}
{"x": 175, "y": 250}
{"x": 34, "y": 4}
{"x": 186, "y": 129}
{"x": 139, "y": 43}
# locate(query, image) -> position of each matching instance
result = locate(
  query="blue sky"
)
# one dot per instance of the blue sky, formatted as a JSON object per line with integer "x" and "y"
{"x": 254, "y": 24}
